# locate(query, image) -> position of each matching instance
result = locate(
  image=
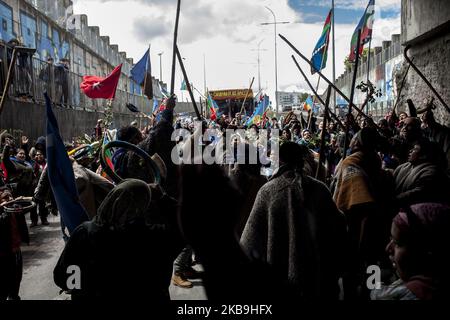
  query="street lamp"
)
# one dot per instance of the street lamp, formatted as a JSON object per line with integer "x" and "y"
{"x": 259, "y": 66}
{"x": 276, "y": 60}
{"x": 160, "y": 66}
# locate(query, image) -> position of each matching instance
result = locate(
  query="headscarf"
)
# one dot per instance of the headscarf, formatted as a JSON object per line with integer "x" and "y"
{"x": 425, "y": 227}
{"x": 425, "y": 223}
{"x": 126, "y": 203}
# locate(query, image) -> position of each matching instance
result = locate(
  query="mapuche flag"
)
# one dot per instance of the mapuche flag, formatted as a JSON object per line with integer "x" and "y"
{"x": 101, "y": 88}
{"x": 259, "y": 111}
{"x": 365, "y": 25}
{"x": 213, "y": 107}
{"x": 61, "y": 176}
{"x": 320, "y": 53}
{"x": 141, "y": 73}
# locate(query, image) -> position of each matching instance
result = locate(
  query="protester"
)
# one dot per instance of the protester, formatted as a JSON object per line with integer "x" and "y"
{"x": 363, "y": 192}
{"x": 418, "y": 251}
{"x": 423, "y": 178}
{"x": 112, "y": 251}
{"x": 296, "y": 228}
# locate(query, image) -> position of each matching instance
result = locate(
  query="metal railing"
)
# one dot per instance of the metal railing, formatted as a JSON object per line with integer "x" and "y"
{"x": 32, "y": 77}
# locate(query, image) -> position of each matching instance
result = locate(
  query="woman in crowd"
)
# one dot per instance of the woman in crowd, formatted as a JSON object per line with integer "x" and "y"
{"x": 419, "y": 253}
{"x": 116, "y": 251}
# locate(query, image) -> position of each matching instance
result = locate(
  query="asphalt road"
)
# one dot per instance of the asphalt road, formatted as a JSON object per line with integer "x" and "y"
{"x": 46, "y": 244}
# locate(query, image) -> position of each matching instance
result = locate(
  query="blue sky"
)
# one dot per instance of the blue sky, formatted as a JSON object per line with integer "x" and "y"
{"x": 347, "y": 12}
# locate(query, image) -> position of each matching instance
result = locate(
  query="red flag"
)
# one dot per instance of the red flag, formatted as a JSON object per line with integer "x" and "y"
{"x": 101, "y": 88}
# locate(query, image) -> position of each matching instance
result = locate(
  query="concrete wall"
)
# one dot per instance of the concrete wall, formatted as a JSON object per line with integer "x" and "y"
{"x": 426, "y": 26}
{"x": 433, "y": 59}
{"x": 22, "y": 118}
{"x": 30, "y": 120}
{"x": 385, "y": 63}
{"x": 420, "y": 17}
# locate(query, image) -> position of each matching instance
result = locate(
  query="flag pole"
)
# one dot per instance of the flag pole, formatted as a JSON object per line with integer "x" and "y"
{"x": 318, "y": 83}
{"x": 368, "y": 71}
{"x": 175, "y": 36}
{"x": 352, "y": 93}
{"x": 317, "y": 88}
{"x": 334, "y": 57}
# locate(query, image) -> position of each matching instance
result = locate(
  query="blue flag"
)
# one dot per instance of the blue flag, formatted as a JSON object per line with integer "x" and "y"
{"x": 141, "y": 73}
{"x": 259, "y": 111}
{"x": 61, "y": 176}
{"x": 155, "y": 106}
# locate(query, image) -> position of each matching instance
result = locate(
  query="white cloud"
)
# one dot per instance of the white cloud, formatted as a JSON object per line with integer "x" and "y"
{"x": 225, "y": 31}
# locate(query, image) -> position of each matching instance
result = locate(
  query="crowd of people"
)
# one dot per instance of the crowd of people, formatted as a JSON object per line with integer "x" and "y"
{"x": 307, "y": 224}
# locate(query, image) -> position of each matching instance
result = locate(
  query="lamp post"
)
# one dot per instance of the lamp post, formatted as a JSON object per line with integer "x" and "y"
{"x": 160, "y": 66}
{"x": 276, "y": 59}
{"x": 259, "y": 64}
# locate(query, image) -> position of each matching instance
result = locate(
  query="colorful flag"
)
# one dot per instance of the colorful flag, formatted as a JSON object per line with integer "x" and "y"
{"x": 61, "y": 176}
{"x": 213, "y": 107}
{"x": 365, "y": 25}
{"x": 320, "y": 53}
{"x": 141, "y": 73}
{"x": 101, "y": 88}
{"x": 309, "y": 104}
{"x": 259, "y": 111}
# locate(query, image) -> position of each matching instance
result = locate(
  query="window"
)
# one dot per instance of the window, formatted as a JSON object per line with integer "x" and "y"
{"x": 4, "y": 24}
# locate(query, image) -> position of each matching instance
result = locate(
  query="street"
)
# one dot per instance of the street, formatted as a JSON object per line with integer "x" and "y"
{"x": 39, "y": 259}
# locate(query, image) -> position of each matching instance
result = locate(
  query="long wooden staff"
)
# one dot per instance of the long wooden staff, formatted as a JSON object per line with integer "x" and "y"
{"x": 405, "y": 53}
{"x": 191, "y": 94}
{"x": 327, "y": 80}
{"x": 316, "y": 94}
{"x": 352, "y": 94}
{"x": 175, "y": 36}
{"x": 324, "y": 129}
{"x": 246, "y": 95}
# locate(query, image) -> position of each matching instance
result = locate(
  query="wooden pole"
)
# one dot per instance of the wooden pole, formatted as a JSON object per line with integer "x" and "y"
{"x": 352, "y": 93}
{"x": 324, "y": 129}
{"x": 175, "y": 36}
{"x": 316, "y": 94}
{"x": 401, "y": 87}
{"x": 327, "y": 80}
{"x": 8, "y": 79}
{"x": 246, "y": 95}
{"x": 188, "y": 84}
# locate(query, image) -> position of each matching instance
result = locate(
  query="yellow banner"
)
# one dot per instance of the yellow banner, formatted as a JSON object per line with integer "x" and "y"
{"x": 237, "y": 94}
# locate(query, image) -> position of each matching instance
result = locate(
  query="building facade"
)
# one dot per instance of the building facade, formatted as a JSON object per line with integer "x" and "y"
{"x": 287, "y": 100}
{"x": 386, "y": 64}
{"x": 51, "y": 28}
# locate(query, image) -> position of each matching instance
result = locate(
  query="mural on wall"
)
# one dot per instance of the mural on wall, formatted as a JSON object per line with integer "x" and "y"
{"x": 392, "y": 67}
{"x": 6, "y": 25}
{"x": 28, "y": 29}
{"x": 53, "y": 47}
